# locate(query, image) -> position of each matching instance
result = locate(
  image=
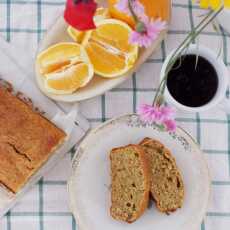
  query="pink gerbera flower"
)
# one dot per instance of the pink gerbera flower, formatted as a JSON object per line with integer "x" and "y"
{"x": 147, "y": 32}
{"x": 160, "y": 115}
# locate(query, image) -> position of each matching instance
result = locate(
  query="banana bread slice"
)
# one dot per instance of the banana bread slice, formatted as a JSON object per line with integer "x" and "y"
{"x": 167, "y": 187}
{"x": 130, "y": 183}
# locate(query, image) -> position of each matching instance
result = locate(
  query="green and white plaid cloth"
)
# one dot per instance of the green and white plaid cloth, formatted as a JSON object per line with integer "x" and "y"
{"x": 24, "y": 22}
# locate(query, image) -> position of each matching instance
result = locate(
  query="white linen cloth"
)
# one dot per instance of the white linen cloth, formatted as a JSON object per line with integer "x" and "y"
{"x": 23, "y": 24}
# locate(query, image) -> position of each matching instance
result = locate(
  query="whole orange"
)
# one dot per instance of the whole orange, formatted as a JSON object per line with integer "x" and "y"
{"x": 154, "y": 9}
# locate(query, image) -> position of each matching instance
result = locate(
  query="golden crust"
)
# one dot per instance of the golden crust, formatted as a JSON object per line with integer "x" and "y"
{"x": 145, "y": 169}
{"x": 27, "y": 140}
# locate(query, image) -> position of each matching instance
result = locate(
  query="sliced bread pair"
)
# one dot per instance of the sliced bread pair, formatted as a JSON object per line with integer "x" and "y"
{"x": 137, "y": 171}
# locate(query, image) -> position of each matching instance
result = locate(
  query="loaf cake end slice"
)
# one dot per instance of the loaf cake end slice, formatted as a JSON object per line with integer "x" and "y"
{"x": 130, "y": 183}
{"x": 167, "y": 187}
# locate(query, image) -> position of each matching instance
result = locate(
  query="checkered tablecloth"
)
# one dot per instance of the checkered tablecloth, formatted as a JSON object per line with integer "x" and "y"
{"x": 24, "y": 22}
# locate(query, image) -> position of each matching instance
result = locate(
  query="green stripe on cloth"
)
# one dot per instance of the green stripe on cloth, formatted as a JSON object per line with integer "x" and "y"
{"x": 52, "y": 183}
{"x": 8, "y": 221}
{"x": 38, "y": 214}
{"x": 22, "y": 30}
{"x": 22, "y": 2}
{"x": 57, "y": 183}
{"x": 215, "y": 151}
{"x": 103, "y": 115}
{"x": 190, "y": 5}
{"x": 185, "y": 6}
{"x": 198, "y": 129}
{"x": 228, "y": 116}
{"x": 73, "y": 223}
{"x": 131, "y": 90}
{"x": 39, "y": 20}
{"x": 193, "y": 120}
{"x": 185, "y": 32}
{"x": 163, "y": 51}
{"x": 8, "y": 16}
{"x": 41, "y": 203}
{"x": 134, "y": 92}
{"x": 151, "y": 60}
{"x": 202, "y": 226}
{"x": 63, "y": 214}
{"x": 218, "y": 214}
{"x": 222, "y": 183}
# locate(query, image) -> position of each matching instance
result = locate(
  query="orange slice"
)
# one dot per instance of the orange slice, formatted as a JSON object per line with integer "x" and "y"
{"x": 69, "y": 79}
{"x": 77, "y": 35}
{"x": 109, "y": 49}
{"x": 65, "y": 67}
{"x": 58, "y": 56}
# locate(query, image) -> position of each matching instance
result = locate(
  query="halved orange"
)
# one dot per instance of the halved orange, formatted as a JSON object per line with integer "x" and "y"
{"x": 65, "y": 67}
{"x": 109, "y": 49}
{"x": 77, "y": 35}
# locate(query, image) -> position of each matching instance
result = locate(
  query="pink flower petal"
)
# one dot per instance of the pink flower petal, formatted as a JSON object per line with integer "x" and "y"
{"x": 146, "y": 112}
{"x": 150, "y": 113}
{"x": 168, "y": 112}
{"x": 170, "y": 125}
{"x": 153, "y": 29}
{"x": 163, "y": 115}
{"x": 123, "y": 6}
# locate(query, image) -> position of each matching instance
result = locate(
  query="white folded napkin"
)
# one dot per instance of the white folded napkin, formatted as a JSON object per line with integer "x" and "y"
{"x": 67, "y": 117}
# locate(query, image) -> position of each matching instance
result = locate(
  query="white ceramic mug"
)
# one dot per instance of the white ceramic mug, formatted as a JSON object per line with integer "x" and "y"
{"x": 223, "y": 81}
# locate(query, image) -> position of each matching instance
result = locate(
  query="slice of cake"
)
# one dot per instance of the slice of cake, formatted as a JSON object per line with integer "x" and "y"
{"x": 167, "y": 187}
{"x": 27, "y": 140}
{"x": 130, "y": 183}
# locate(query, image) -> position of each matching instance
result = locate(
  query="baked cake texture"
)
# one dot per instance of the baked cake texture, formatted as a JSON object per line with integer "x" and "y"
{"x": 130, "y": 183}
{"x": 167, "y": 187}
{"x": 27, "y": 140}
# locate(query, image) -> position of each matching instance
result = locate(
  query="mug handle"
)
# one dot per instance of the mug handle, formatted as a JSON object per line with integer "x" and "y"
{"x": 225, "y": 105}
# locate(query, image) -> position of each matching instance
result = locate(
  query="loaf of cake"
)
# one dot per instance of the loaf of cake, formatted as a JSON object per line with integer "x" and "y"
{"x": 27, "y": 140}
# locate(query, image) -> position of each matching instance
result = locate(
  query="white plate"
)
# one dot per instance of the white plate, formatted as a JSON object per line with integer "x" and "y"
{"x": 89, "y": 185}
{"x": 98, "y": 85}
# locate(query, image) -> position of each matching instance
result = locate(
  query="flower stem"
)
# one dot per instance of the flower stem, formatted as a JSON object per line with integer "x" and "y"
{"x": 132, "y": 11}
{"x": 184, "y": 45}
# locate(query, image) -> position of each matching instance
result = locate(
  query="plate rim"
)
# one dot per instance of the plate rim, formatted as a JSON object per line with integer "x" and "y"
{"x": 79, "y": 153}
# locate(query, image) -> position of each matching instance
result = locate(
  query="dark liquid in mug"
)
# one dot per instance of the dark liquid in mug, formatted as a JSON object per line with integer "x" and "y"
{"x": 192, "y": 84}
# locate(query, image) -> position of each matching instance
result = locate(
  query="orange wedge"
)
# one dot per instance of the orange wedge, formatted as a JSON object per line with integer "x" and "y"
{"x": 69, "y": 79}
{"x": 58, "y": 56}
{"x": 77, "y": 35}
{"x": 109, "y": 49}
{"x": 65, "y": 67}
